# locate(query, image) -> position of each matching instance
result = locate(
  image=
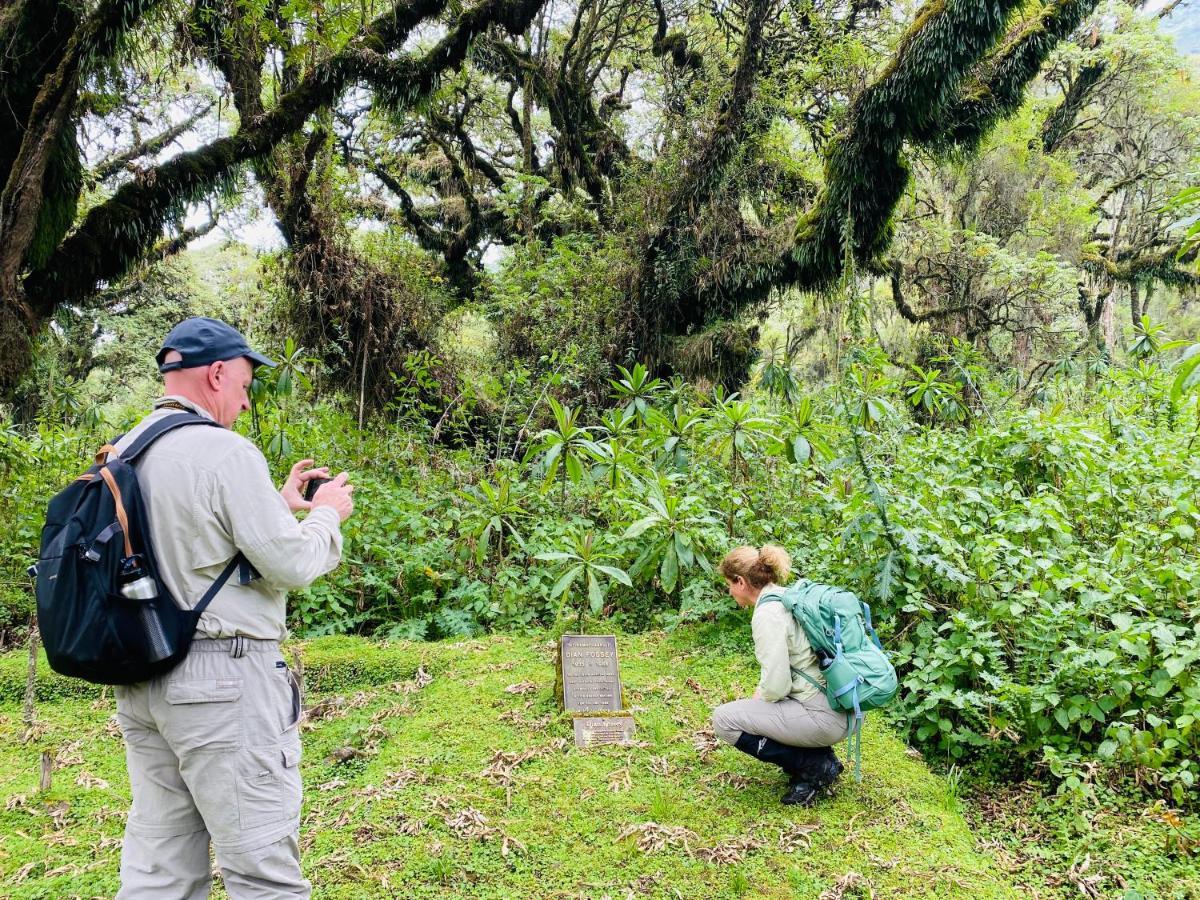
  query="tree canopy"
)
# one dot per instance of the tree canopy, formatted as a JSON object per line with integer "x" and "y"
{"x": 726, "y": 154}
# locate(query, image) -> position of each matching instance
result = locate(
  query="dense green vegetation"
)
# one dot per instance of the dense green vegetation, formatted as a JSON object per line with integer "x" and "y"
{"x": 585, "y": 293}
{"x": 1034, "y": 572}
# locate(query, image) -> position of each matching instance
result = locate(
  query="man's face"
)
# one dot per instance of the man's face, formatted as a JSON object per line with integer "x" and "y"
{"x": 229, "y": 381}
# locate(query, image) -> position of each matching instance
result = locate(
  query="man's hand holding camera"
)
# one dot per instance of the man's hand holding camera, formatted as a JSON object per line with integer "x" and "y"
{"x": 307, "y": 488}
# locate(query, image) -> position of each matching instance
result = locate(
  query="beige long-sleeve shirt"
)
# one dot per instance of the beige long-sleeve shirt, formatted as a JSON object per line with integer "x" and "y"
{"x": 783, "y": 650}
{"x": 209, "y": 494}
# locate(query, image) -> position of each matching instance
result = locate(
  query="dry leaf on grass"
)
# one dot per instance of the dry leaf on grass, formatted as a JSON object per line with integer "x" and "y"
{"x": 68, "y": 755}
{"x": 504, "y": 764}
{"x": 402, "y": 778}
{"x": 653, "y": 837}
{"x": 329, "y": 708}
{"x": 409, "y": 826}
{"x": 370, "y": 792}
{"x": 58, "y": 814}
{"x": 796, "y": 838}
{"x": 391, "y": 712}
{"x": 509, "y": 844}
{"x": 619, "y": 781}
{"x": 61, "y": 839}
{"x": 642, "y": 886}
{"x": 845, "y": 883}
{"x": 88, "y": 780}
{"x": 37, "y": 731}
{"x": 732, "y": 779}
{"x": 705, "y": 741}
{"x": 730, "y": 851}
{"x": 346, "y": 815}
{"x": 470, "y": 824}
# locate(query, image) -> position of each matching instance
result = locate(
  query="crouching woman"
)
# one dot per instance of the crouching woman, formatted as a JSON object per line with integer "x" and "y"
{"x": 788, "y": 722}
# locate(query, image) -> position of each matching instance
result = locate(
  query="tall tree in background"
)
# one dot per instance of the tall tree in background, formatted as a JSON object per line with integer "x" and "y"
{"x": 45, "y": 264}
{"x": 512, "y": 122}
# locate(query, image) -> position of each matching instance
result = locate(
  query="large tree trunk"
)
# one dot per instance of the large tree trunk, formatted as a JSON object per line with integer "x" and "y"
{"x": 1108, "y": 326}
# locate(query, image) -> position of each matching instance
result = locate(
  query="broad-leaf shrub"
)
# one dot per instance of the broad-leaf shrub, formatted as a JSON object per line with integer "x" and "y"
{"x": 1034, "y": 573}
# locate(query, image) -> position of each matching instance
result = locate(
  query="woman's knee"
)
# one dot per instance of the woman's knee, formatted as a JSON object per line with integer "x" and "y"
{"x": 723, "y": 725}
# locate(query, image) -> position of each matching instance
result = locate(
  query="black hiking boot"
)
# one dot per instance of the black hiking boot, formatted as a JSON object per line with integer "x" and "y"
{"x": 820, "y": 770}
{"x": 825, "y": 769}
{"x": 809, "y": 769}
{"x": 800, "y": 793}
{"x": 793, "y": 760}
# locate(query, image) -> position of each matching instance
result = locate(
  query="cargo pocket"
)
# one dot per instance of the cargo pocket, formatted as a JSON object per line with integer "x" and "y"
{"x": 297, "y": 708}
{"x": 205, "y": 714}
{"x": 268, "y": 786}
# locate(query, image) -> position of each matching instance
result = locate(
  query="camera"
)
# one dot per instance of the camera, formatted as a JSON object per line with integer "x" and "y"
{"x": 312, "y": 486}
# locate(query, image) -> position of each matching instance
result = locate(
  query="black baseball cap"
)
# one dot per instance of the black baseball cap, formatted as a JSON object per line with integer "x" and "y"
{"x": 202, "y": 341}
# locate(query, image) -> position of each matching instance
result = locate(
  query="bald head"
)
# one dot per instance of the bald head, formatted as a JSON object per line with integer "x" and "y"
{"x": 222, "y": 388}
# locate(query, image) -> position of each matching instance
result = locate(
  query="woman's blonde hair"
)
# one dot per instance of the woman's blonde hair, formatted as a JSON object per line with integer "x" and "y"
{"x": 759, "y": 567}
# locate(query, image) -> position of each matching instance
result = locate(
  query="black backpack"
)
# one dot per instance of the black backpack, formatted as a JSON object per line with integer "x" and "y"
{"x": 104, "y": 613}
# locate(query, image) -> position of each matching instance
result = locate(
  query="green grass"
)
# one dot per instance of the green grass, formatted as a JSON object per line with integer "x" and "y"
{"x": 418, "y": 813}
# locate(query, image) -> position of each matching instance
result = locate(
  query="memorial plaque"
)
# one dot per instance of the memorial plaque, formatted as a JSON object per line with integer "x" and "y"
{"x": 591, "y": 730}
{"x": 591, "y": 681}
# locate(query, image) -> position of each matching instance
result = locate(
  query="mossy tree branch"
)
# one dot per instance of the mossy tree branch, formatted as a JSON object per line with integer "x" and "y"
{"x": 997, "y": 87}
{"x": 21, "y": 199}
{"x": 945, "y": 87}
{"x": 664, "y": 284}
{"x": 116, "y": 233}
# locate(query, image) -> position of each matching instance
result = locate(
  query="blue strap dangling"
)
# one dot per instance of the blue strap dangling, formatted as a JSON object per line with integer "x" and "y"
{"x": 870, "y": 627}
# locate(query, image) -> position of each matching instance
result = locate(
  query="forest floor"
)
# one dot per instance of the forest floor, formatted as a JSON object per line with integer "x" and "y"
{"x": 458, "y": 777}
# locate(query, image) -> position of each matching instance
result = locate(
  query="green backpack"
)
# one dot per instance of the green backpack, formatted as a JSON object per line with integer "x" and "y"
{"x": 858, "y": 675}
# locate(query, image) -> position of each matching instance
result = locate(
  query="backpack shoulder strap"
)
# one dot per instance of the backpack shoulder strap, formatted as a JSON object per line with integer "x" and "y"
{"x": 770, "y": 597}
{"x": 238, "y": 560}
{"x": 157, "y": 429}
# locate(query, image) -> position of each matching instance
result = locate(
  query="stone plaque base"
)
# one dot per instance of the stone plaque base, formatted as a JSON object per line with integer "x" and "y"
{"x": 592, "y": 730}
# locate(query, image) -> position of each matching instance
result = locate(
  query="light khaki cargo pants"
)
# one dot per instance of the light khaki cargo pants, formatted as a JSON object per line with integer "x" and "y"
{"x": 798, "y": 723}
{"x": 213, "y": 750}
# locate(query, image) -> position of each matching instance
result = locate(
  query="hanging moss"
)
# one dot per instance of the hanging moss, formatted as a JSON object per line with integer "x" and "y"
{"x": 998, "y": 88}
{"x": 62, "y": 185}
{"x": 116, "y": 234}
{"x": 945, "y": 87}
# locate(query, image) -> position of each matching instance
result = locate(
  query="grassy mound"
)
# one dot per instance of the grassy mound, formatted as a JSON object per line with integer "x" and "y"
{"x": 446, "y": 770}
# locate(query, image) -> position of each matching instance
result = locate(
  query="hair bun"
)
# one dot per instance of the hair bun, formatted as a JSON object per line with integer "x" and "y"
{"x": 776, "y": 560}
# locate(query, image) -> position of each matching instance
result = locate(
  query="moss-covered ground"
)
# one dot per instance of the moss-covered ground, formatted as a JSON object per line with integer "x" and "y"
{"x": 446, "y": 770}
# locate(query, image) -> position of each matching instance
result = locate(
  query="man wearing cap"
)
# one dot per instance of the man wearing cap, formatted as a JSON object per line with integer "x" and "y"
{"x": 213, "y": 746}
